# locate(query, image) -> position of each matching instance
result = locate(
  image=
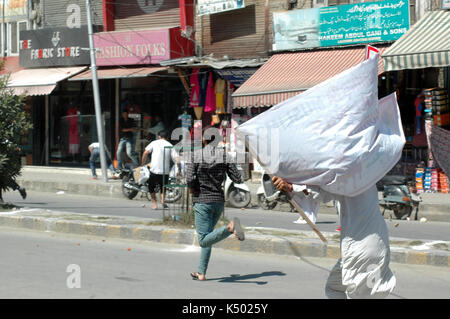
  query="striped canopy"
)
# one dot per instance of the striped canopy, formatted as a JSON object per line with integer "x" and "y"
{"x": 425, "y": 45}
{"x": 288, "y": 74}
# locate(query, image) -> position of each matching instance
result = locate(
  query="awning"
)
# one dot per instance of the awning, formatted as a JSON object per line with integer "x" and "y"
{"x": 118, "y": 73}
{"x": 287, "y": 74}
{"x": 40, "y": 81}
{"x": 425, "y": 45}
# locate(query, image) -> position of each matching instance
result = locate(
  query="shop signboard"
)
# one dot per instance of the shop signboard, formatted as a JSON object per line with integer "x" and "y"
{"x": 53, "y": 47}
{"x": 445, "y": 4}
{"x": 128, "y": 48}
{"x": 349, "y": 24}
{"x": 205, "y": 7}
{"x": 237, "y": 76}
{"x": 13, "y": 10}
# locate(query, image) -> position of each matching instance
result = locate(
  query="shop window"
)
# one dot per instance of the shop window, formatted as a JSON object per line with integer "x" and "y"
{"x": 10, "y": 36}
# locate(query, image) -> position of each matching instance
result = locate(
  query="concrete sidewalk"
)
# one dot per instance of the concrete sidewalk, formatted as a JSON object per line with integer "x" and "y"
{"x": 434, "y": 206}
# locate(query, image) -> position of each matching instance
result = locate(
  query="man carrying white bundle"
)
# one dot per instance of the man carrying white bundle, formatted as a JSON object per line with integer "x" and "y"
{"x": 342, "y": 140}
{"x": 363, "y": 269}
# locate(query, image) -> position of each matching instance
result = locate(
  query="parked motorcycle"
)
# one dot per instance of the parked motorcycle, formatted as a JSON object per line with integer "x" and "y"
{"x": 268, "y": 196}
{"x": 238, "y": 195}
{"x": 131, "y": 187}
{"x": 398, "y": 197}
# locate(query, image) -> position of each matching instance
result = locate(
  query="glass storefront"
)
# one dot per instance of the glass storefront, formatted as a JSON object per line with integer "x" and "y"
{"x": 72, "y": 122}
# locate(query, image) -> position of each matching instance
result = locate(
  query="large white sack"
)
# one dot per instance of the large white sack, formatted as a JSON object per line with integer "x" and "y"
{"x": 319, "y": 137}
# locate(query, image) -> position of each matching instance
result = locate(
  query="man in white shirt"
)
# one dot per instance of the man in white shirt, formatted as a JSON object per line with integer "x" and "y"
{"x": 159, "y": 165}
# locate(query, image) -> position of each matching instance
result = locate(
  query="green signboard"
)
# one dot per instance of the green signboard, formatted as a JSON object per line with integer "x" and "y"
{"x": 350, "y": 24}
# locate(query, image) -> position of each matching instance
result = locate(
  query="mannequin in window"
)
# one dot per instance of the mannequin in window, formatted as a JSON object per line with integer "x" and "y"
{"x": 74, "y": 135}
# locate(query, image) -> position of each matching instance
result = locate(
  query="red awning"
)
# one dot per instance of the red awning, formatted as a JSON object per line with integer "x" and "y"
{"x": 288, "y": 74}
{"x": 118, "y": 73}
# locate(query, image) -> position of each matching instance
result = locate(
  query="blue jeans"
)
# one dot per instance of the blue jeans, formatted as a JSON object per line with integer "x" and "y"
{"x": 206, "y": 217}
{"x": 125, "y": 145}
{"x": 96, "y": 154}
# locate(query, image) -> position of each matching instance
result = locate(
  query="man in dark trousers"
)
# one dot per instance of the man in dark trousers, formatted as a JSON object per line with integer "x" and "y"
{"x": 126, "y": 129}
{"x": 204, "y": 179}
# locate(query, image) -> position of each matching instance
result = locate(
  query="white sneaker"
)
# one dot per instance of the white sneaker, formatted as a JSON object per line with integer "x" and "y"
{"x": 300, "y": 220}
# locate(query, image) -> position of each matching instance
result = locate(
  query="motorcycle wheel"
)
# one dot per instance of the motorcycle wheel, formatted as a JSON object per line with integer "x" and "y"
{"x": 239, "y": 198}
{"x": 128, "y": 193}
{"x": 172, "y": 194}
{"x": 403, "y": 212}
{"x": 264, "y": 203}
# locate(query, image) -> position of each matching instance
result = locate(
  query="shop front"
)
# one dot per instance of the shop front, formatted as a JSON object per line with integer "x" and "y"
{"x": 59, "y": 114}
{"x": 209, "y": 84}
{"x": 132, "y": 79}
{"x": 285, "y": 75}
{"x": 419, "y": 62}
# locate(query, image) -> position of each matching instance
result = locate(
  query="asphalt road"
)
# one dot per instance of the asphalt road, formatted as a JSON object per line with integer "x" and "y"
{"x": 250, "y": 217}
{"x": 50, "y": 265}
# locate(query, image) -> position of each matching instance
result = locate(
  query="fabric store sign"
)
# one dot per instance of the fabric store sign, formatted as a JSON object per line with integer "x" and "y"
{"x": 54, "y": 47}
{"x": 340, "y": 25}
{"x": 205, "y": 7}
{"x": 236, "y": 76}
{"x": 138, "y": 47}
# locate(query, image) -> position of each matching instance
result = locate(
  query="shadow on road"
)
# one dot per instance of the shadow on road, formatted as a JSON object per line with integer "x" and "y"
{"x": 245, "y": 278}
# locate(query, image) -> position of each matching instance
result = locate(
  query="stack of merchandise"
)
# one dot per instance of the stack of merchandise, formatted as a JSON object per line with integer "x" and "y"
{"x": 434, "y": 180}
{"x": 443, "y": 182}
{"x": 427, "y": 180}
{"x": 437, "y": 106}
{"x": 419, "y": 180}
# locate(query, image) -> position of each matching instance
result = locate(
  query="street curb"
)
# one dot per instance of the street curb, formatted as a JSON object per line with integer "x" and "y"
{"x": 433, "y": 212}
{"x": 254, "y": 243}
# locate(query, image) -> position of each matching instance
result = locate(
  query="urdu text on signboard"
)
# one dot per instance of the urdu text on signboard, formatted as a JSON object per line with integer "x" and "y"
{"x": 205, "y": 7}
{"x": 350, "y": 24}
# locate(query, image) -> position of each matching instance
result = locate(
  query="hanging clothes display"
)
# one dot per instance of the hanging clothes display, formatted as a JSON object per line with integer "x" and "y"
{"x": 186, "y": 120}
{"x": 203, "y": 80}
{"x": 219, "y": 88}
{"x": 210, "y": 103}
{"x": 195, "y": 88}
{"x": 195, "y": 94}
{"x": 74, "y": 135}
{"x": 230, "y": 90}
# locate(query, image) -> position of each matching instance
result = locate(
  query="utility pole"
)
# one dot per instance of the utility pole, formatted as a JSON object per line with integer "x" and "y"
{"x": 4, "y": 31}
{"x": 98, "y": 111}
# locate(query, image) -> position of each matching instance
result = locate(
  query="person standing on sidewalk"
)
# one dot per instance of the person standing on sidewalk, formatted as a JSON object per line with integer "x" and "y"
{"x": 205, "y": 179}
{"x": 161, "y": 153}
{"x": 94, "y": 148}
{"x": 363, "y": 269}
{"x": 126, "y": 129}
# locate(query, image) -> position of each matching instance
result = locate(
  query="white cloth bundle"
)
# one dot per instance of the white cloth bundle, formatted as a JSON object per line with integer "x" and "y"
{"x": 336, "y": 135}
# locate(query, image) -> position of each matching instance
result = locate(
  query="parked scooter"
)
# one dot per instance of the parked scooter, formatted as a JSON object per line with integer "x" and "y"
{"x": 268, "y": 196}
{"x": 238, "y": 195}
{"x": 131, "y": 187}
{"x": 398, "y": 197}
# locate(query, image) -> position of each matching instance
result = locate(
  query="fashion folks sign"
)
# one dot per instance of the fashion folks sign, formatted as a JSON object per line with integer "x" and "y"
{"x": 54, "y": 47}
{"x": 126, "y": 48}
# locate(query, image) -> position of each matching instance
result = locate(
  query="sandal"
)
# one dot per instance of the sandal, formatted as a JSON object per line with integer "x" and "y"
{"x": 194, "y": 276}
{"x": 238, "y": 229}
